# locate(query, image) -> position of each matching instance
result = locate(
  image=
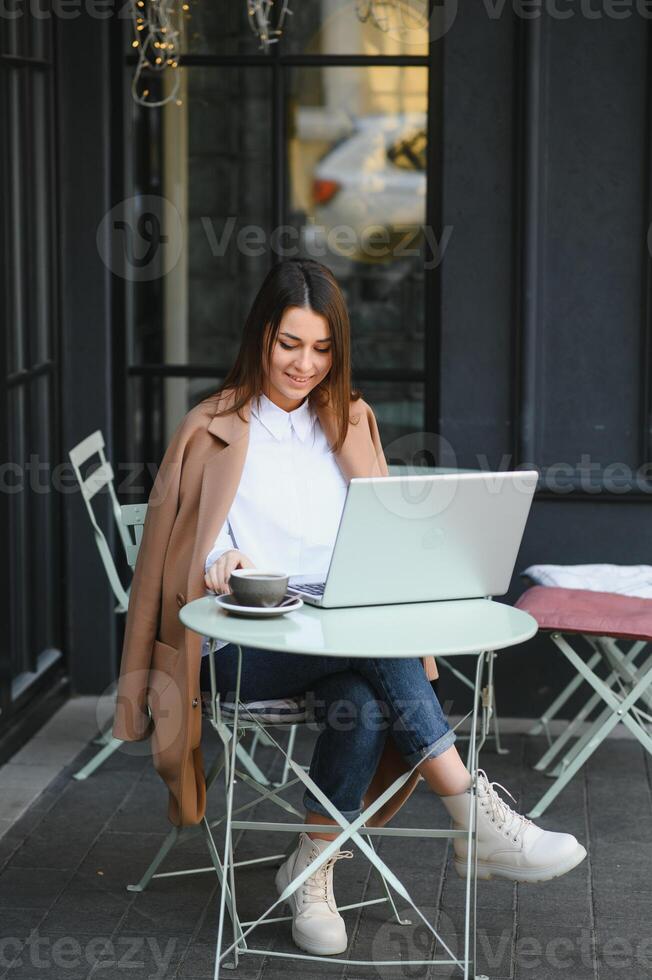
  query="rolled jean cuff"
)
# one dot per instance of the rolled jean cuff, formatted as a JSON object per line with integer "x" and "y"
{"x": 315, "y": 806}
{"x": 432, "y": 751}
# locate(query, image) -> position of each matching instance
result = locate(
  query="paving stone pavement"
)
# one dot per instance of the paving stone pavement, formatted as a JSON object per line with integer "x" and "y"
{"x": 65, "y": 911}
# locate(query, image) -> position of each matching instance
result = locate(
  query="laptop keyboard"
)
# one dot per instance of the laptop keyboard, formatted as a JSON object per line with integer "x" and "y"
{"x": 312, "y": 588}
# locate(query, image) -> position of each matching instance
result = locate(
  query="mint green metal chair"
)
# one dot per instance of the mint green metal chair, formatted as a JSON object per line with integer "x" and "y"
{"x": 263, "y": 713}
{"x": 220, "y": 717}
{"x": 231, "y": 722}
{"x": 620, "y": 680}
{"x": 133, "y": 520}
{"x": 99, "y": 479}
{"x": 572, "y": 728}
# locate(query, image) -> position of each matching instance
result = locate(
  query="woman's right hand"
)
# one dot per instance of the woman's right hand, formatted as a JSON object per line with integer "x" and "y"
{"x": 217, "y": 576}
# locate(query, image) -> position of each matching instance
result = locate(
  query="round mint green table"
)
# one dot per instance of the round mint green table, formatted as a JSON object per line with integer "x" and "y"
{"x": 413, "y": 629}
{"x": 418, "y": 629}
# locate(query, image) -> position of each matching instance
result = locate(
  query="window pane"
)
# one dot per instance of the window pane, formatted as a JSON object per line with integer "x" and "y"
{"x": 16, "y": 224}
{"x": 41, "y": 299}
{"x": 218, "y": 27}
{"x": 206, "y": 164}
{"x": 17, "y": 556}
{"x": 33, "y": 508}
{"x": 362, "y": 27}
{"x": 22, "y": 33}
{"x": 155, "y": 406}
{"x": 16, "y": 39}
{"x": 318, "y": 27}
{"x": 40, "y": 36}
{"x": 43, "y": 503}
{"x": 358, "y": 194}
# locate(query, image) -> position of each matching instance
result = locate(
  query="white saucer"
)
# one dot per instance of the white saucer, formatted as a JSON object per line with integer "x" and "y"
{"x": 228, "y": 603}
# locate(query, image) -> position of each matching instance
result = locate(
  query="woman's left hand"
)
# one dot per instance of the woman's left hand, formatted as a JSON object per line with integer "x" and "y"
{"x": 217, "y": 576}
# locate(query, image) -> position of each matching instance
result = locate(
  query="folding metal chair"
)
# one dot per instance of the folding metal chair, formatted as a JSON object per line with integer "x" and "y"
{"x": 620, "y": 679}
{"x": 261, "y": 716}
{"x": 494, "y": 734}
{"x": 287, "y": 714}
{"x": 598, "y": 577}
{"x": 101, "y": 477}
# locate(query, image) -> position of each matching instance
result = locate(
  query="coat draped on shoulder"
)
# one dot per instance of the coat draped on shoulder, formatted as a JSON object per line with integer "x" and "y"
{"x": 158, "y": 693}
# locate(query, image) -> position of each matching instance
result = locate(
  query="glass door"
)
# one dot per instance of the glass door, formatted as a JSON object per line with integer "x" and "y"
{"x": 30, "y": 497}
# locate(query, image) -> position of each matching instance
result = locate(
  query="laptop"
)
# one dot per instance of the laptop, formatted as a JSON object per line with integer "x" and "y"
{"x": 424, "y": 538}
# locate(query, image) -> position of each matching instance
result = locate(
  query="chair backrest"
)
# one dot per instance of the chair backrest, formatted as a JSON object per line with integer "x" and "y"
{"x": 101, "y": 477}
{"x": 133, "y": 519}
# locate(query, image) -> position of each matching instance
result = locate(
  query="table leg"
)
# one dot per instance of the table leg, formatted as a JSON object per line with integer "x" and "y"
{"x": 227, "y": 863}
{"x": 353, "y": 831}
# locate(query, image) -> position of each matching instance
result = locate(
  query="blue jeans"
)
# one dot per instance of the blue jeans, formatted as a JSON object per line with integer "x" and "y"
{"x": 356, "y": 703}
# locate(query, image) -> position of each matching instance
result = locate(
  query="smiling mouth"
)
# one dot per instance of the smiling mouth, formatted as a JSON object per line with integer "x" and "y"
{"x": 295, "y": 378}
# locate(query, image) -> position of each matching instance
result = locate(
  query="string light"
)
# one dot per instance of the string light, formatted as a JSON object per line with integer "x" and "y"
{"x": 259, "y": 14}
{"x": 155, "y": 29}
{"x": 393, "y": 15}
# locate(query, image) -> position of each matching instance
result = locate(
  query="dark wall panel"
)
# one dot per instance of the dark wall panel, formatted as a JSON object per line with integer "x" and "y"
{"x": 545, "y": 332}
{"x": 477, "y": 276}
{"x": 593, "y": 240}
{"x": 583, "y": 532}
{"x": 85, "y": 155}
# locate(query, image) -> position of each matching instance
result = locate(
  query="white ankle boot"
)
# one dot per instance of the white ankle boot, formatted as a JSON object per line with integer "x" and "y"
{"x": 509, "y": 845}
{"x": 318, "y": 928}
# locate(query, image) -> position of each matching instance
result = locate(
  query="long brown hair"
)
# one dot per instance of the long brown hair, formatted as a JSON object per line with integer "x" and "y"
{"x": 309, "y": 285}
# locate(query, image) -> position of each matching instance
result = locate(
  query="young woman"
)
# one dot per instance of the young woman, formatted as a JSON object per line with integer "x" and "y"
{"x": 295, "y": 356}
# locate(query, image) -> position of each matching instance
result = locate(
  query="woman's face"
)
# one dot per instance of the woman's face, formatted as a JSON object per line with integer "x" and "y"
{"x": 301, "y": 357}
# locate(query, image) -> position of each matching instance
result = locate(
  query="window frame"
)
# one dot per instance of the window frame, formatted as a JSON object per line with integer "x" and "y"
{"x": 281, "y": 63}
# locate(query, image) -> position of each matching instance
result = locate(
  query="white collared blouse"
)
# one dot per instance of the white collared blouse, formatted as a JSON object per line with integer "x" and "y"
{"x": 289, "y": 501}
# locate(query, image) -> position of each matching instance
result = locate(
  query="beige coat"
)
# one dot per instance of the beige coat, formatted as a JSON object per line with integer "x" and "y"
{"x": 190, "y": 500}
